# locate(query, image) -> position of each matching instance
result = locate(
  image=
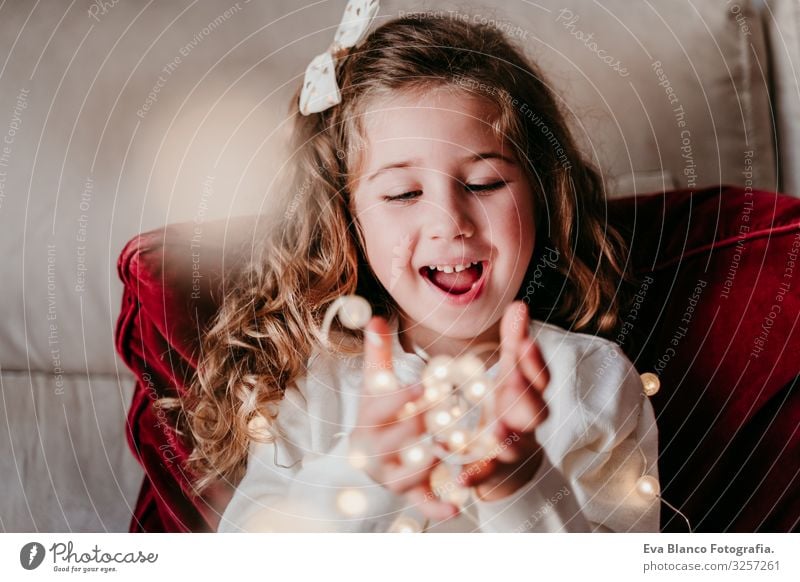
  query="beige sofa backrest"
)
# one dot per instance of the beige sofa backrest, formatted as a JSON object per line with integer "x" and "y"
{"x": 661, "y": 94}
{"x": 782, "y": 21}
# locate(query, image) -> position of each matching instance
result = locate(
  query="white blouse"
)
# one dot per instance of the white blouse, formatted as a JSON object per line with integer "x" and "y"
{"x": 598, "y": 439}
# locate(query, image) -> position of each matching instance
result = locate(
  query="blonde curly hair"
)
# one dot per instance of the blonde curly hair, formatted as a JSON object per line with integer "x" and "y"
{"x": 266, "y": 328}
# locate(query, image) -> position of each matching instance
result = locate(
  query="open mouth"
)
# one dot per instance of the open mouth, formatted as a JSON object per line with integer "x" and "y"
{"x": 455, "y": 282}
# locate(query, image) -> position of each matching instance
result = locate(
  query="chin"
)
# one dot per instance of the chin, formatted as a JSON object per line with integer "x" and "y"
{"x": 461, "y": 324}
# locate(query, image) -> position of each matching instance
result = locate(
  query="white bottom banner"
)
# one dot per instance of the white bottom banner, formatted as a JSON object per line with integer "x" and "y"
{"x": 409, "y": 557}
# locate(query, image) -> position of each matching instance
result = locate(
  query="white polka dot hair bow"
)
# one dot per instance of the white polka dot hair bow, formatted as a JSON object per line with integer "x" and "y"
{"x": 320, "y": 90}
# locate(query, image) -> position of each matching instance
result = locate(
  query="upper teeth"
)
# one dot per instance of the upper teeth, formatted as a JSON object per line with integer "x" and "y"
{"x": 451, "y": 268}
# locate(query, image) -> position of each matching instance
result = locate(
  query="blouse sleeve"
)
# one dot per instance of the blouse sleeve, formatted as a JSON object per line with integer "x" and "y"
{"x": 258, "y": 503}
{"x": 594, "y": 455}
{"x": 301, "y": 483}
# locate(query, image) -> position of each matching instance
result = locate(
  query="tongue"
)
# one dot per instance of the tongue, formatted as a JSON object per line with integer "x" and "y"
{"x": 456, "y": 283}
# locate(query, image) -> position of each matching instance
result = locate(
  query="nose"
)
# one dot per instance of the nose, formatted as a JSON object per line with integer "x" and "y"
{"x": 448, "y": 213}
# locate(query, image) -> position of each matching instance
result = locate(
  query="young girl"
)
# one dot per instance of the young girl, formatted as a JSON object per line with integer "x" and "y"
{"x": 444, "y": 187}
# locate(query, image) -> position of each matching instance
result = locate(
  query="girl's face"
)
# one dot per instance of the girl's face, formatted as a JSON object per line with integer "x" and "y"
{"x": 446, "y": 212}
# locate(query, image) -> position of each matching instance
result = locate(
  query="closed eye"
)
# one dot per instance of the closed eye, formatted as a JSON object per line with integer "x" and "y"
{"x": 401, "y": 197}
{"x": 470, "y": 187}
{"x": 485, "y": 187}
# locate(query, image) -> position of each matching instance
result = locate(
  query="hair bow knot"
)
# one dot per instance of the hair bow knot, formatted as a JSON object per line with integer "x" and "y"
{"x": 320, "y": 90}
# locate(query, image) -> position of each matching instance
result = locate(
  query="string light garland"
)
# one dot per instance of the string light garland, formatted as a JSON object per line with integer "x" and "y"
{"x": 382, "y": 382}
{"x": 458, "y": 409}
{"x": 354, "y": 313}
{"x": 650, "y": 384}
{"x": 351, "y": 502}
{"x": 457, "y": 406}
{"x": 406, "y": 524}
{"x": 648, "y": 486}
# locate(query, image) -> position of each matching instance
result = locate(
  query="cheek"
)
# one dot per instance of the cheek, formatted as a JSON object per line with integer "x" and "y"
{"x": 386, "y": 241}
{"x": 513, "y": 225}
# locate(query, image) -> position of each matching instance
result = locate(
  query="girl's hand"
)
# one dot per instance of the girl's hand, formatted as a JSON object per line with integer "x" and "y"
{"x": 380, "y": 434}
{"x": 520, "y": 409}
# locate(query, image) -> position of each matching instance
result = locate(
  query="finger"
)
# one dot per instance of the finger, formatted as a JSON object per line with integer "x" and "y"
{"x": 516, "y": 446}
{"x": 479, "y": 471}
{"x": 531, "y": 361}
{"x": 517, "y": 399}
{"x": 379, "y": 375}
{"x": 385, "y": 445}
{"x": 520, "y": 407}
{"x": 382, "y": 394}
{"x": 391, "y": 439}
{"x": 377, "y": 345}
{"x": 513, "y": 329}
{"x": 508, "y": 476}
{"x": 380, "y": 410}
{"x": 426, "y": 502}
{"x": 508, "y": 454}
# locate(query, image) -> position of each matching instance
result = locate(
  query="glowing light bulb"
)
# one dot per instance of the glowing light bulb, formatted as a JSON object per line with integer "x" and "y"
{"x": 382, "y": 382}
{"x": 445, "y": 487}
{"x": 476, "y": 390}
{"x": 466, "y": 368}
{"x": 436, "y": 417}
{"x": 648, "y": 487}
{"x": 465, "y": 447}
{"x": 355, "y": 312}
{"x": 650, "y": 383}
{"x": 442, "y": 418}
{"x": 438, "y": 369}
{"x": 351, "y": 502}
{"x": 435, "y": 391}
{"x": 416, "y": 455}
{"x": 357, "y": 458}
{"x": 457, "y": 439}
{"x": 405, "y": 524}
{"x": 409, "y": 409}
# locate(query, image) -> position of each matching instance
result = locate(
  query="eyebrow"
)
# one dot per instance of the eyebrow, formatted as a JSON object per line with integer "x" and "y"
{"x": 417, "y": 162}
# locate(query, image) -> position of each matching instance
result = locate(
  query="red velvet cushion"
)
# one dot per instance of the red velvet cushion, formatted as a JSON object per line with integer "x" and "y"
{"x": 729, "y": 408}
{"x": 172, "y": 282}
{"x": 728, "y": 414}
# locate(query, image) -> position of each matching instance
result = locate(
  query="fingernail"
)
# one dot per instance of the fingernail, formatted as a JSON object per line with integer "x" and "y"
{"x": 373, "y": 338}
